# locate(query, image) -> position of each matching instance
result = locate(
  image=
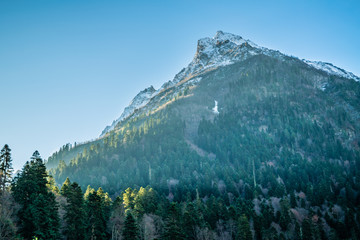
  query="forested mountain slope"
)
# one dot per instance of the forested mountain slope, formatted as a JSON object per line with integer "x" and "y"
{"x": 239, "y": 121}
{"x": 273, "y": 118}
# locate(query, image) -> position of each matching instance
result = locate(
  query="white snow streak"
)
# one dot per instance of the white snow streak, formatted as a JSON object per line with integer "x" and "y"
{"x": 215, "y": 109}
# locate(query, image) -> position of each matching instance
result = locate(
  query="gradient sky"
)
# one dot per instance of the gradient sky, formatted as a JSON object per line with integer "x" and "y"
{"x": 68, "y": 68}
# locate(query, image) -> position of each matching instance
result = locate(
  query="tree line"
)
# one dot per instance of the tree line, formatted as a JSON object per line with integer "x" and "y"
{"x": 32, "y": 206}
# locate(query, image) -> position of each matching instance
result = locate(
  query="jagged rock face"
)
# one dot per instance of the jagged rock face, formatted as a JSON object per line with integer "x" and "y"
{"x": 221, "y": 50}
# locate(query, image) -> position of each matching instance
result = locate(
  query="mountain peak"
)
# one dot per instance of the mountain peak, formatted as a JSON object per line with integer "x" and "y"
{"x": 207, "y": 44}
{"x": 221, "y": 50}
{"x": 219, "y": 33}
{"x": 150, "y": 89}
{"x": 223, "y": 36}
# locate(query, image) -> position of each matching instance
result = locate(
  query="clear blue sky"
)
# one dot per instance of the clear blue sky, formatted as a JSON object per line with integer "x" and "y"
{"x": 68, "y": 68}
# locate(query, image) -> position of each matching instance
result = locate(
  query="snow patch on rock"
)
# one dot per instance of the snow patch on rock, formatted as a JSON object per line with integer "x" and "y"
{"x": 323, "y": 86}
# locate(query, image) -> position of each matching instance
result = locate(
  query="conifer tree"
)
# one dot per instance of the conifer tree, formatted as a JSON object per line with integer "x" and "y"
{"x": 284, "y": 214}
{"x": 244, "y": 232}
{"x": 172, "y": 230}
{"x": 38, "y": 213}
{"x": 88, "y": 191}
{"x": 297, "y": 233}
{"x": 96, "y": 219}
{"x": 105, "y": 203}
{"x": 74, "y": 215}
{"x": 130, "y": 230}
{"x": 65, "y": 188}
{"x": 190, "y": 221}
{"x": 129, "y": 198}
{"x": 306, "y": 229}
{"x": 5, "y": 167}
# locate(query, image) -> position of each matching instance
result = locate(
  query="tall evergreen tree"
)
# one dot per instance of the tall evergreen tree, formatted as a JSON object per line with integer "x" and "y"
{"x": 306, "y": 229}
{"x": 66, "y": 188}
{"x": 190, "y": 221}
{"x": 130, "y": 230}
{"x": 244, "y": 232}
{"x": 75, "y": 215}
{"x": 96, "y": 218}
{"x": 38, "y": 213}
{"x": 88, "y": 191}
{"x": 172, "y": 230}
{"x": 5, "y": 167}
{"x": 7, "y": 223}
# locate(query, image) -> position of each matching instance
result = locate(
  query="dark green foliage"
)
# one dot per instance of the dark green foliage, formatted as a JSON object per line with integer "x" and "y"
{"x": 38, "y": 216}
{"x": 191, "y": 221}
{"x": 297, "y": 232}
{"x": 258, "y": 226}
{"x": 130, "y": 230}
{"x": 284, "y": 217}
{"x": 172, "y": 229}
{"x": 306, "y": 229}
{"x": 293, "y": 203}
{"x": 44, "y": 217}
{"x": 244, "y": 232}
{"x": 75, "y": 214}
{"x": 96, "y": 215}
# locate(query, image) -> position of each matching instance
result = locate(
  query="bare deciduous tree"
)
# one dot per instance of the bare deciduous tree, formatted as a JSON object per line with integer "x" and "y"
{"x": 7, "y": 213}
{"x": 151, "y": 226}
{"x": 205, "y": 234}
{"x": 116, "y": 222}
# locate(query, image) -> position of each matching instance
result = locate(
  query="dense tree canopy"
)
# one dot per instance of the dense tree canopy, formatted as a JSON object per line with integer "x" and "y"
{"x": 38, "y": 213}
{"x": 279, "y": 160}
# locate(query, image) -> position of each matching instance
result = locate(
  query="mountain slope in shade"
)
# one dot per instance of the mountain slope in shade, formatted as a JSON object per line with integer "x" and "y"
{"x": 221, "y": 50}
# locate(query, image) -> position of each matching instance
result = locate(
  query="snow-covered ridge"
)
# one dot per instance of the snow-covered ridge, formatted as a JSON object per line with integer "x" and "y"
{"x": 221, "y": 50}
{"x": 331, "y": 69}
{"x": 140, "y": 100}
